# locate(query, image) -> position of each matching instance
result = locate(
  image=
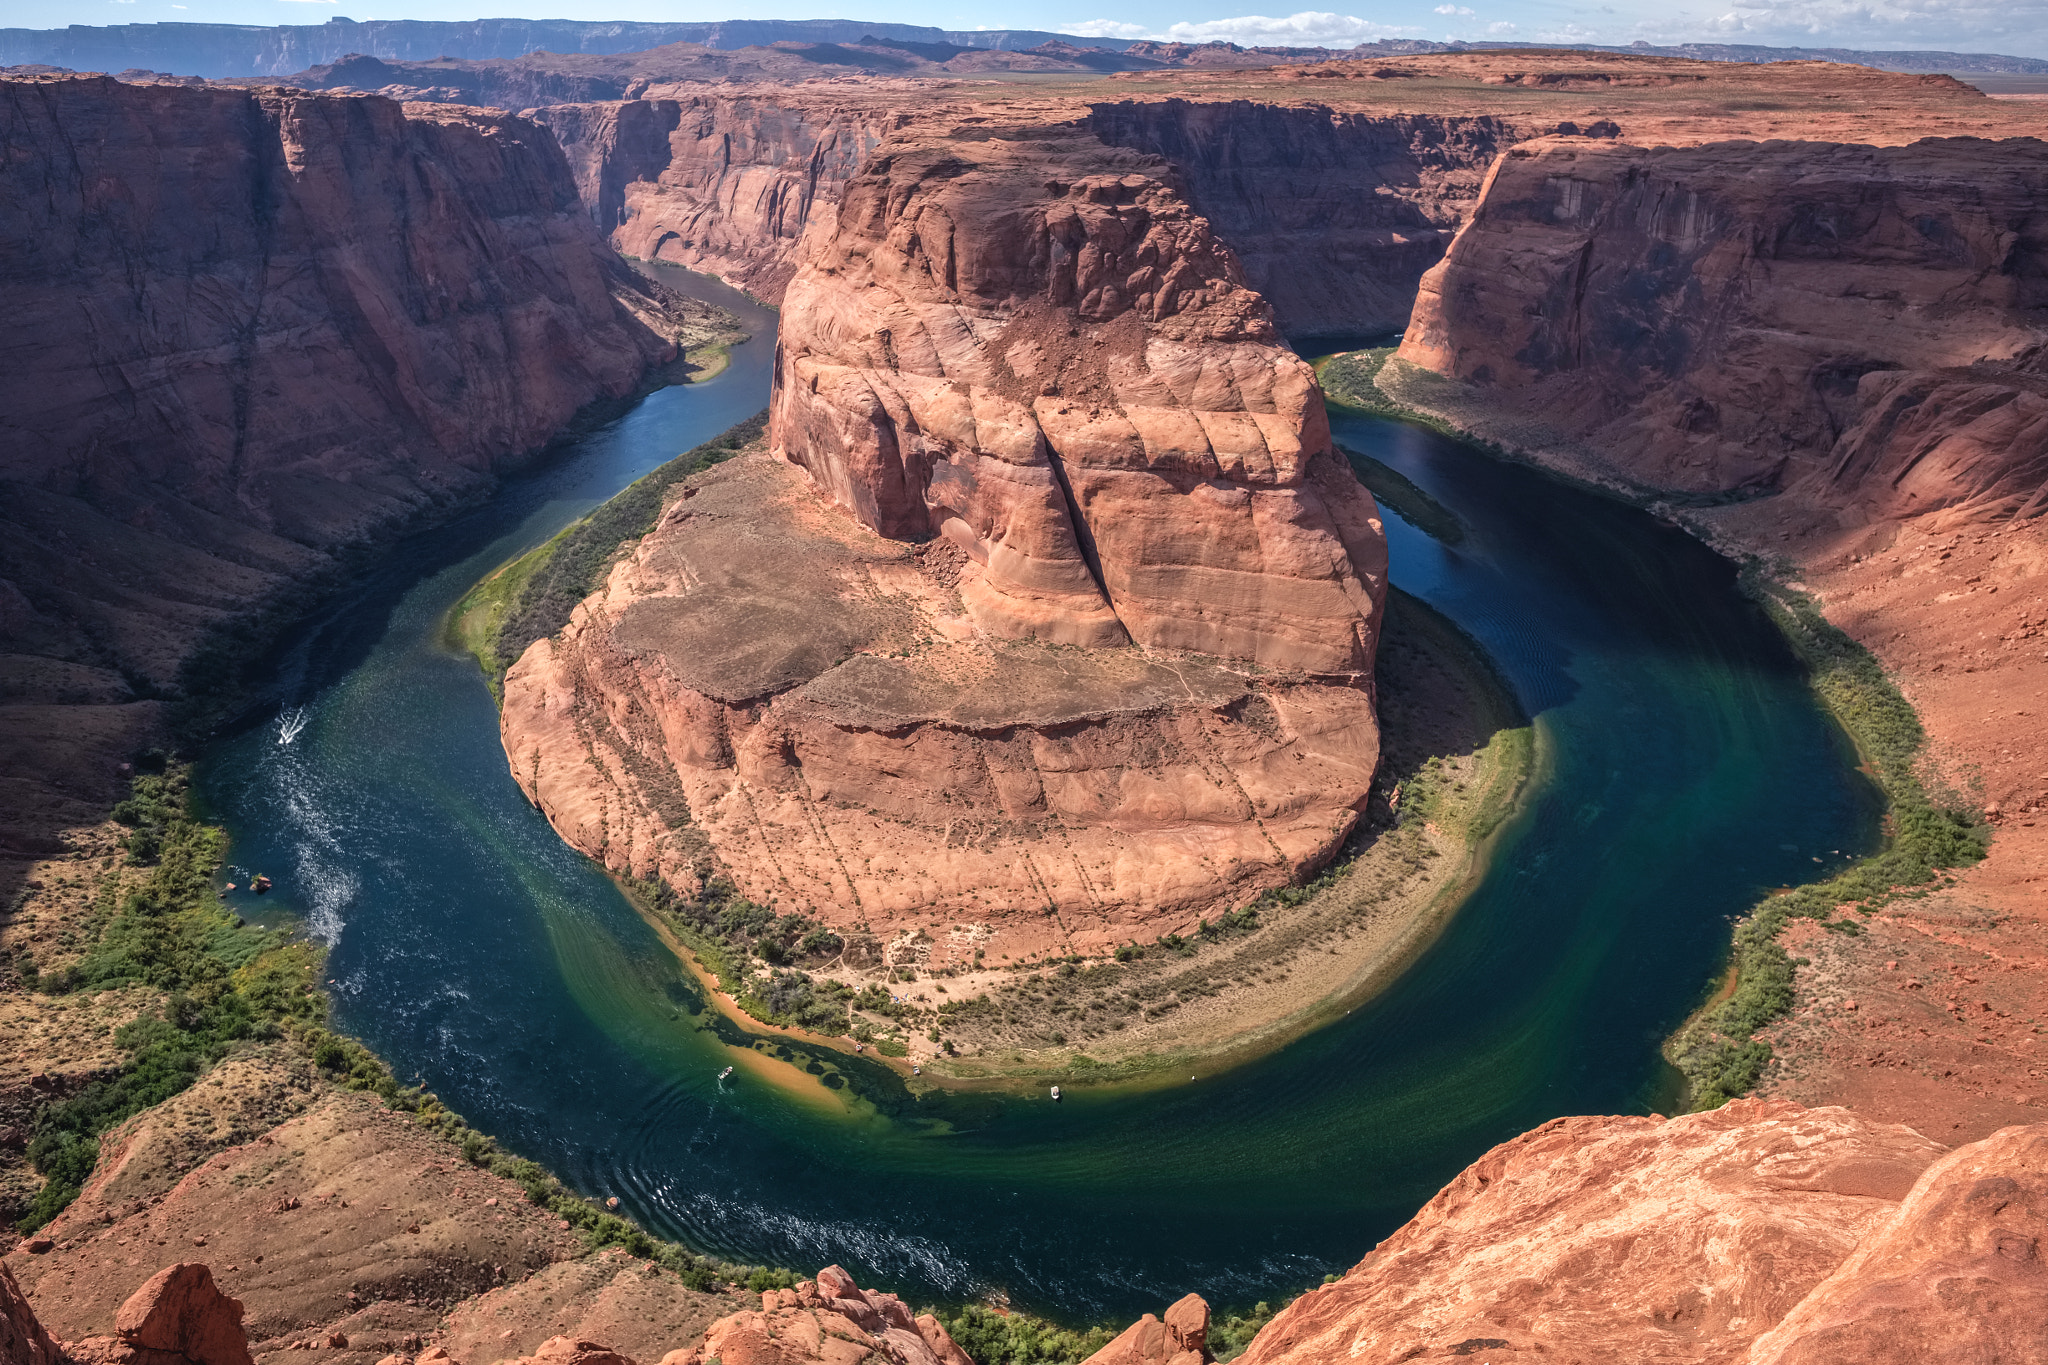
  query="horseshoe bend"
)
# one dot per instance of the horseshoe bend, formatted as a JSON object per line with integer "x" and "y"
{"x": 1417, "y": 667}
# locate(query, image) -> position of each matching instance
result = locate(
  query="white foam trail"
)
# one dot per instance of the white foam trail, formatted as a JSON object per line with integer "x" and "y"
{"x": 289, "y": 724}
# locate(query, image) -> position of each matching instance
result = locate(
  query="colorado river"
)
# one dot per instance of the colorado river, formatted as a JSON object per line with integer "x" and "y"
{"x": 1684, "y": 765}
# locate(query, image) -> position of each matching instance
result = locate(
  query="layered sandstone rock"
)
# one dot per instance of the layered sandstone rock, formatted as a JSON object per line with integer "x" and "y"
{"x": 1030, "y": 347}
{"x": 1957, "y": 1274}
{"x": 22, "y": 1338}
{"x": 827, "y": 1321}
{"x": 1861, "y": 326}
{"x": 1606, "y": 1239}
{"x": 719, "y": 181}
{"x": 1181, "y": 1338}
{"x": 246, "y": 328}
{"x": 1054, "y": 423}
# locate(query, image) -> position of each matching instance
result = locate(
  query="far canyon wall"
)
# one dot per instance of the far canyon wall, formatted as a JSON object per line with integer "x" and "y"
{"x": 244, "y": 329}
{"x": 1335, "y": 216}
{"x": 1866, "y": 327}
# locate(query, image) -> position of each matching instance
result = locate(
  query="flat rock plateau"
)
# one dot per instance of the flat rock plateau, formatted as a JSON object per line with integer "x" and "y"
{"x": 253, "y": 325}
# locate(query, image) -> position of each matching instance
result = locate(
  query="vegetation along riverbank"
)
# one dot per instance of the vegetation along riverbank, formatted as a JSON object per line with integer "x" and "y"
{"x": 1931, "y": 826}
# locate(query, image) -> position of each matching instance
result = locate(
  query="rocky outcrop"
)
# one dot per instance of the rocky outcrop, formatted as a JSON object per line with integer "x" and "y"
{"x": 1038, "y": 353}
{"x": 22, "y": 1339}
{"x": 829, "y": 1321}
{"x": 1055, "y": 424}
{"x": 178, "y": 1317}
{"x": 248, "y": 328}
{"x": 1858, "y": 326}
{"x": 1760, "y": 1232}
{"x": 1182, "y": 1338}
{"x": 1956, "y": 1274}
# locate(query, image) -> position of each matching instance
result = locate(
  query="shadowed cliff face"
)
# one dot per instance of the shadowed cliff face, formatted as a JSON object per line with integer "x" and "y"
{"x": 720, "y": 183}
{"x": 246, "y": 329}
{"x": 1860, "y": 326}
{"x": 1334, "y": 215}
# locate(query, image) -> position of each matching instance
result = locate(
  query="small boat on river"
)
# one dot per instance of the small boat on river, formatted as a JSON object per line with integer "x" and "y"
{"x": 1055, "y": 1094}
{"x": 723, "y": 1074}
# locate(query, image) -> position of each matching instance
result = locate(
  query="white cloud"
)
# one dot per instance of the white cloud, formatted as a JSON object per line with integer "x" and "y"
{"x": 1502, "y": 27}
{"x": 1104, "y": 28}
{"x": 2013, "y": 26}
{"x": 1454, "y": 9}
{"x": 1310, "y": 28}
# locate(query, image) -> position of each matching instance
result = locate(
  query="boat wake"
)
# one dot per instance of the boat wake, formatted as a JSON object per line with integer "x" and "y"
{"x": 289, "y": 723}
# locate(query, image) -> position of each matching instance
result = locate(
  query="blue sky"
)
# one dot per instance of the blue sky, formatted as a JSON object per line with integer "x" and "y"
{"x": 2012, "y": 26}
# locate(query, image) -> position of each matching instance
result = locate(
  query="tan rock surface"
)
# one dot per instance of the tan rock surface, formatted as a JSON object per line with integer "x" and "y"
{"x": 636, "y": 1308}
{"x": 1180, "y": 1338}
{"x": 1607, "y": 1239}
{"x": 22, "y": 1338}
{"x": 868, "y": 756}
{"x": 348, "y": 1218}
{"x": 1956, "y": 1274}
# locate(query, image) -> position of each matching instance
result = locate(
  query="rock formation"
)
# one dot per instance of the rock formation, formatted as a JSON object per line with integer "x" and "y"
{"x": 1859, "y": 325}
{"x": 247, "y": 328}
{"x": 178, "y": 1317}
{"x": 1182, "y": 1338}
{"x": 1759, "y": 1232}
{"x": 1831, "y": 356}
{"x": 22, "y": 1338}
{"x": 829, "y": 1321}
{"x": 1055, "y": 423}
{"x": 1956, "y": 1274}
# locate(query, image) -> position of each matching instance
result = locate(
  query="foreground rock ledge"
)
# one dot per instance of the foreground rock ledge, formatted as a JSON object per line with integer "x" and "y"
{"x": 1027, "y": 416}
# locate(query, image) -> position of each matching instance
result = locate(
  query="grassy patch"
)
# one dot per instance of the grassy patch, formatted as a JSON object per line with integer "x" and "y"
{"x": 531, "y": 597}
{"x": 1717, "y": 1048}
{"x": 476, "y": 622}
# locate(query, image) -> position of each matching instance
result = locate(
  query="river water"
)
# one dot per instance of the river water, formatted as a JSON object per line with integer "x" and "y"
{"x": 1683, "y": 766}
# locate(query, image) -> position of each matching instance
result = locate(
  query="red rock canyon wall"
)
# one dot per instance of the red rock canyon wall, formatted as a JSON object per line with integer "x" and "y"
{"x": 245, "y": 328}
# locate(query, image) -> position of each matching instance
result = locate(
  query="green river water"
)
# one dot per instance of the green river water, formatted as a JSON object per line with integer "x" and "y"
{"x": 1683, "y": 766}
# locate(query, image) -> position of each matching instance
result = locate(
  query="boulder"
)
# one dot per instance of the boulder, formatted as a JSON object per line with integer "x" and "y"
{"x": 178, "y": 1317}
{"x": 1182, "y": 1338}
{"x": 1649, "y": 1240}
{"x": 829, "y": 1320}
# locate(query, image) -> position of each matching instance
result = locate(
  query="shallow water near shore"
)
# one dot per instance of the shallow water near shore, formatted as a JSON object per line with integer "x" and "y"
{"x": 1685, "y": 766}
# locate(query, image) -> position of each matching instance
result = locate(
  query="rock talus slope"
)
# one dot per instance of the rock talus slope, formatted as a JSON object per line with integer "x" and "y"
{"x": 1027, "y": 415}
{"x": 248, "y": 327}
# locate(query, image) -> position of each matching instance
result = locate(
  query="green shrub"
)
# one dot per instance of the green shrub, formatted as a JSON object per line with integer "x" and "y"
{"x": 992, "y": 1338}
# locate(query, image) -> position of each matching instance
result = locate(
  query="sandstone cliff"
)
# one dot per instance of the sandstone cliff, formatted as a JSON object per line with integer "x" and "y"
{"x": 719, "y": 181}
{"x": 247, "y": 328}
{"x": 1860, "y": 325}
{"x": 1055, "y": 423}
{"x": 1830, "y": 356}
